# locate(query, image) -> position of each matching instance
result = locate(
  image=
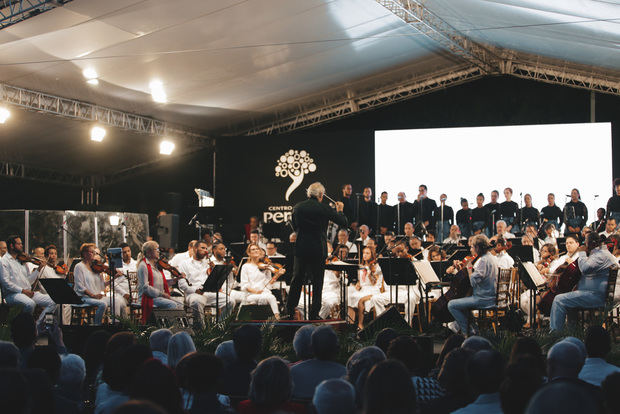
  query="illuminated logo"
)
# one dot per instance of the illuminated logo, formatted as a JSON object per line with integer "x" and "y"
{"x": 294, "y": 164}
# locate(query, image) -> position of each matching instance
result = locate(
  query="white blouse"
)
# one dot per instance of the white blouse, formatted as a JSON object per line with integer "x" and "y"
{"x": 254, "y": 278}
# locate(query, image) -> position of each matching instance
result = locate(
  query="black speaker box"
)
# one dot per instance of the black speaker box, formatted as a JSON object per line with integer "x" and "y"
{"x": 390, "y": 318}
{"x": 173, "y": 319}
{"x": 168, "y": 230}
{"x": 254, "y": 313}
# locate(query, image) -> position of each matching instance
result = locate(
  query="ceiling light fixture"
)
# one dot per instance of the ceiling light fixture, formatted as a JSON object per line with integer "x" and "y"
{"x": 166, "y": 147}
{"x": 97, "y": 133}
{"x": 157, "y": 91}
{"x": 93, "y": 81}
{"x": 4, "y": 115}
{"x": 91, "y": 75}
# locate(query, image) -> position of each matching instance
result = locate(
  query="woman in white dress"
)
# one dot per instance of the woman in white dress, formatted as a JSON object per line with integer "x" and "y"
{"x": 369, "y": 285}
{"x": 257, "y": 279}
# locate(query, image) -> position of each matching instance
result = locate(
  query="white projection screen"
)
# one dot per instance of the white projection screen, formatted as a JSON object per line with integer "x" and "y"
{"x": 462, "y": 162}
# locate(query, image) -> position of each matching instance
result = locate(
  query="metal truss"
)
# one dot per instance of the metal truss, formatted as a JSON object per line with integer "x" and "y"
{"x": 416, "y": 15}
{"x": 70, "y": 108}
{"x": 395, "y": 93}
{"x": 15, "y": 11}
{"x": 25, "y": 172}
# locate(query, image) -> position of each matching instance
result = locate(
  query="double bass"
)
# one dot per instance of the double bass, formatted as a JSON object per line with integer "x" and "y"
{"x": 566, "y": 278}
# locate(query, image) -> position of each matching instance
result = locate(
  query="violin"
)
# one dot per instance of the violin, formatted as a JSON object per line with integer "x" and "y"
{"x": 267, "y": 264}
{"x": 163, "y": 264}
{"x": 499, "y": 249}
{"x": 60, "y": 269}
{"x": 99, "y": 267}
{"x": 24, "y": 258}
{"x": 467, "y": 260}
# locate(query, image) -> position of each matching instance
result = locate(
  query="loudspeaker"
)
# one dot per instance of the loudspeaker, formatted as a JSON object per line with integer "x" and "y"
{"x": 254, "y": 313}
{"x": 174, "y": 319}
{"x": 390, "y": 318}
{"x": 168, "y": 231}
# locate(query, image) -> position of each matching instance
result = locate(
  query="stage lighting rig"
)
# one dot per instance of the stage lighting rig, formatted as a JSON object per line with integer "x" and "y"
{"x": 97, "y": 133}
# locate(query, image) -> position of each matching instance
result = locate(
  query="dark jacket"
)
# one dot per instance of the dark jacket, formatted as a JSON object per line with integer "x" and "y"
{"x": 310, "y": 219}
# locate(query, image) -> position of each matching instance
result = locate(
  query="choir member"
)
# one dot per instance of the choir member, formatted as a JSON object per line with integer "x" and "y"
{"x": 529, "y": 214}
{"x": 349, "y": 205}
{"x": 445, "y": 218}
{"x": 494, "y": 210}
{"x": 575, "y": 213}
{"x": 463, "y": 218}
{"x": 368, "y": 210}
{"x": 257, "y": 280}
{"x": 509, "y": 211}
{"x": 480, "y": 217}
{"x": 403, "y": 213}
{"x": 552, "y": 213}
{"x": 613, "y": 204}
{"x": 386, "y": 215}
{"x": 424, "y": 208}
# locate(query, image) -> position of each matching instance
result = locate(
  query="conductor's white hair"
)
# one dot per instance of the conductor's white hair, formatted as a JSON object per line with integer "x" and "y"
{"x": 315, "y": 190}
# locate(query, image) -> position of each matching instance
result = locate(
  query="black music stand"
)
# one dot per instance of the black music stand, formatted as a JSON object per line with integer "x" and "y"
{"x": 61, "y": 293}
{"x": 528, "y": 277}
{"x": 214, "y": 283}
{"x": 524, "y": 253}
{"x": 440, "y": 267}
{"x": 427, "y": 277}
{"x": 349, "y": 268}
{"x": 399, "y": 271}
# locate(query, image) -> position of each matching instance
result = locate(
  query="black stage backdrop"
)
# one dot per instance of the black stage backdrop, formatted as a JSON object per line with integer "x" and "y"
{"x": 247, "y": 184}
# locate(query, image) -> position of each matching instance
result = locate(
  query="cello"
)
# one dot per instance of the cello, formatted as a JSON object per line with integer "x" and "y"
{"x": 460, "y": 287}
{"x": 565, "y": 279}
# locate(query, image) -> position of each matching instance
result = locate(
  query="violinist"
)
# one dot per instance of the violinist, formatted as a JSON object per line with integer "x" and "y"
{"x": 502, "y": 231}
{"x": 152, "y": 286}
{"x": 455, "y": 235}
{"x": 409, "y": 229}
{"x": 331, "y": 287}
{"x": 196, "y": 270}
{"x": 343, "y": 240}
{"x": 369, "y": 286}
{"x": 436, "y": 254}
{"x": 483, "y": 279}
{"x": 219, "y": 258}
{"x": 50, "y": 269}
{"x": 256, "y": 281}
{"x": 548, "y": 255}
{"x": 16, "y": 281}
{"x": 272, "y": 250}
{"x": 504, "y": 261}
{"x": 594, "y": 266}
{"x": 550, "y": 232}
{"x": 90, "y": 285}
{"x": 121, "y": 283}
{"x": 181, "y": 257}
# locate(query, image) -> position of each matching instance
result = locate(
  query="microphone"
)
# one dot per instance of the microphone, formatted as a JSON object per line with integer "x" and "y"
{"x": 193, "y": 219}
{"x": 567, "y": 195}
{"x": 442, "y": 199}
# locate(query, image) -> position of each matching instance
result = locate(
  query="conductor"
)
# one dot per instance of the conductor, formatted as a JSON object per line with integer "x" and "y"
{"x": 310, "y": 219}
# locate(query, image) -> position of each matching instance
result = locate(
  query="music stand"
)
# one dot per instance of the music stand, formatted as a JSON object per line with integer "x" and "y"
{"x": 398, "y": 271}
{"x": 214, "y": 283}
{"x": 61, "y": 293}
{"x": 533, "y": 280}
{"x": 428, "y": 278}
{"x": 524, "y": 253}
{"x": 349, "y": 268}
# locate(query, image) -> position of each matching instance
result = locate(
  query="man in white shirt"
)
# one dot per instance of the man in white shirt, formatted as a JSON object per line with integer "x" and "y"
{"x": 272, "y": 250}
{"x": 2, "y": 248}
{"x": 343, "y": 240}
{"x": 455, "y": 235}
{"x": 16, "y": 281}
{"x": 181, "y": 257}
{"x": 610, "y": 227}
{"x": 502, "y": 231}
{"x": 218, "y": 257}
{"x": 197, "y": 270}
{"x": 121, "y": 283}
{"x": 256, "y": 239}
{"x": 598, "y": 345}
{"x": 364, "y": 233}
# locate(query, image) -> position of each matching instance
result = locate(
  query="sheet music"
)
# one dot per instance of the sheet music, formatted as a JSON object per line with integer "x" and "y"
{"x": 425, "y": 272}
{"x": 535, "y": 275}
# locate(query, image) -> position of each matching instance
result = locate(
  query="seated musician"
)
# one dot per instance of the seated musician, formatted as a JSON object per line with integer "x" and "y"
{"x": 364, "y": 235}
{"x": 409, "y": 229}
{"x": 272, "y": 250}
{"x": 121, "y": 283}
{"x": 592, "y": 286}
{"x": 219, "y": 258}
{"x": 91, "y": 286}
{"x": 483, "y": 279}
{"x": 528, "y": 240}
{"x": 257, "y": 280}
{"x": 369, "y": 285}
{"x": 197, "y": 270}
{"x": 179, "y": 258}
{"x": 152, "y": 286}
{"x": 436, "y": 254}
{"x": 343, "y": 240}
{"x": 610, "y": 227}
{"x": 255, "y": 238}
{"x": 415, "y": 248}
{"x": 430, "y": 236}
{"x": 504, "y": 260}
{"x": 550, "y": 234}
{"x": 502, "y": 231}
{"x": 16, "y": 282}
{"x": 455, "y": 235}
{"x": 548, "y": 256}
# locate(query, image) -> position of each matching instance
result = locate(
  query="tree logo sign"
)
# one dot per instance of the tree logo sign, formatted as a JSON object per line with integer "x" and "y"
{"x": 295, "y": 165}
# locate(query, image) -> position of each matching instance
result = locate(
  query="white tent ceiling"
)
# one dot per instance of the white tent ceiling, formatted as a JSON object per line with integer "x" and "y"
{"x": 230, "y": 64}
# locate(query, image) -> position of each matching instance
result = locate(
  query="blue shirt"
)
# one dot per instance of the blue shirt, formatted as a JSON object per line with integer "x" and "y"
{"x": 595, "y": 370}
{"x": 595, "y": 270}
{"x": 484, "y": 277}
{"x": 484, "y": 404}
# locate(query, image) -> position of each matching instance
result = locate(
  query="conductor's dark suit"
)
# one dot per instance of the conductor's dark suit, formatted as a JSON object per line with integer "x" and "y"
{"x": 310, "y": 219}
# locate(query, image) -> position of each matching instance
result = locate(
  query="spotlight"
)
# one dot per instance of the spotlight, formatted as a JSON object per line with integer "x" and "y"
{"x": 93, "y": 81}
{"x": 157, "y": 91}
{"x": 166, "y": 147}
{"x": 97, "y": 133}
{"x": 114, "y": 220}
{"x": 4, "y": 115}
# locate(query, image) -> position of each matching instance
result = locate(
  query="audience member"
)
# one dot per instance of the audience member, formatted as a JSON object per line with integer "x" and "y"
{"x": 179, "y": 345}
{"x": 564, "y": 361}
{"x": 111, "y": 370}
{"x": 308, "y": 374}
{"x": 14, "y": 392}
{"x": 484, "y": 373}
{"x": 201, "y": 374}
{"x": 270, "y": 391}
{"x": 358, "y": 367}
{"x": 526, "y": 346}
{"x": 71, "y": 378}
{"x": 94, "y": 354}
{"x": 24, "y": 335}
{"x": 454, "y": 341}
{"x": 580, "y": 345}
{"x": 156, "y": 382}
{"x": 247, "y": 340}
{"x": 453, "y": 378}
{"x": 611, "y": 396}
{"x": 139, "y": 407}
{"x": 384, "y": 337}
{"x": 389, "y": 390}
{"x": 477, "y": 343}
{"x": 334, "y": 396}
{"x": 9, "y": 355}
{"x": 302, "y": 343}
{"x": 598, "y": 345}
{"x": 560, "y": 397}
{"x": 158, "y": 341}
{"x": 522, "y": 379}
{"x": 226, "y": 352}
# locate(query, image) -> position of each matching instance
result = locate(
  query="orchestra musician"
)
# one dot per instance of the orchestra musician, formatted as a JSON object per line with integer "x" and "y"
{"x": 610, "y": 228}
{"x": 181, "y": 257}
{"x": 152, "y": 286}
{"x": 343, "y": 240}
{"x": 3, "y": 248}
{"x": 197, "y": 270}
{"x": 509, "y": 211}
{"x": 445, "y": 211}
{"x": 550, "y": 234}
{"x": 504, "y": 260}
{"x": 310, "y": 220}
{"x": 90, "y": 284}
{"x": 613, "y": 204}
{"x": 272, "y": 250}
{"x": 121, "y": 283}
{"x": 463, "y": 218}
{"x": 502, "y": 231}
{"x": 598, "y": 225}
{"x": 219, "y": 258}
{"x": 552, "y": 213}
{"x": 590, "y": 293}
{"x": 257, "y": 280}
{"x": 483, "y": 279}
{"x": 256, "y": 239}
{"x": 403, "y": 213}
{"x": 364, "y": 235}
{"x": 369, "y": 285}
{"x": 530, "y": 216}
{"x": 16, "y": 282}
{"x": 408, "y": 229}
{"x": 480, "y": 217}
{"x": 575, "y": 213}
{"x": 546, "y": 266}
{"x": 455, "y": 235}
{"x": 330, "y": 298}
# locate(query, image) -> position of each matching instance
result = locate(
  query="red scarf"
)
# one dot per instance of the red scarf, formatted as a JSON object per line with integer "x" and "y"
{"x": 147, "y": 301}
